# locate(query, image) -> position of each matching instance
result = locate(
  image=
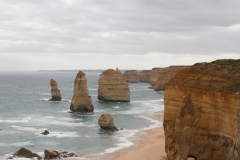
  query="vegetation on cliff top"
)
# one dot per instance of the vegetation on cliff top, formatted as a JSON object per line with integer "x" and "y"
{"x": 228, "y": 62}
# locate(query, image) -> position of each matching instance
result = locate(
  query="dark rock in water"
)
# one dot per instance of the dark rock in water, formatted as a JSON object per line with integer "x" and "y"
{"x": 52, "y": 154}
{"x": 45, "y": 132}
{"x": 106, "y": 123}
{"x": 23, "y": 152}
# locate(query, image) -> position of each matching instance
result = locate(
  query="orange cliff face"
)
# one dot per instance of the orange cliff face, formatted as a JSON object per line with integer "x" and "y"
{"x": 154, "y": 76}
{"x": 145, "y": 75}
{"x": 165, "y": 74}
{"x": 131, "y": 76}
{"x": 202, "y": 113}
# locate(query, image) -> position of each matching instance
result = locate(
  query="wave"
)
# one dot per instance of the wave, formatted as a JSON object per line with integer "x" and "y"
{"x": 17, "y": 144}
{"x": 58, "y": 134}
{"x": 24, "y": 120}
{"x": 29, "y": 129}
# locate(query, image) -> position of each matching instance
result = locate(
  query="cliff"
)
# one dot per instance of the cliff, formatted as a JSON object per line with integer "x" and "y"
{"x": 202, "y": 113}
{"x": 165, "y": 74}
{"x": 131, "y": 76}
{"x": 145, "y": 75}
{"x": 154, "y": 76}
{"x": 56, "y": 95}
{"x": 112, "y": 87}
{"x": 81, "y": 101}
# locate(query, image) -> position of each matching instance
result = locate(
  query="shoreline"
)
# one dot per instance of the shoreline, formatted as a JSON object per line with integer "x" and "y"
{"x": 147, "y": 144}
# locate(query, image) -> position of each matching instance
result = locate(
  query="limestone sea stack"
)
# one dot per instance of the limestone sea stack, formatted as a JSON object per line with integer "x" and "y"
{"x": 106, "y": 123}
{"x": 154, "y": 76}
{"x": 202, "y": 112}
{"x": 131, "y": 76}
{"x": 165, "y": 74}
{"x": 118, "y": 71}
{"x": 81, "y": 101}
{"x": 56, "y": 95}
{"x": 144, "y": 76}
{"x": 112, "y": 87}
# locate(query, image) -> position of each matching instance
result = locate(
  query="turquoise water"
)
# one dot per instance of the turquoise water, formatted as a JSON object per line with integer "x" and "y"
{"x": 25, "y": 112}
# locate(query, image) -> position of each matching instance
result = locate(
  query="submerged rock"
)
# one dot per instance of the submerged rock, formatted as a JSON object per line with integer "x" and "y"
{"x": 45, "y": 132}
{"x": 23, "y": 152}
{"x": 56, "y": 95}
{"x": 81, "y": 101}
{"x": 131, "y": 76}
{"x": 106, "y": 123}
{"x": 112, "y": 87}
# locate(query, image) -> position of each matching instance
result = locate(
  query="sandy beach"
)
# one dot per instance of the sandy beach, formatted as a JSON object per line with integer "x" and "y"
{"x": 151, "y": 147}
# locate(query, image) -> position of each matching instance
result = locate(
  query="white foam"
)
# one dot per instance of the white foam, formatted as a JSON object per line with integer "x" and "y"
{"x": 58, "y": 134}
{"x": 16, "y": 144}
{"x": 116, "y": 107}
{"x": 29, "y": 129}
{"x": 24, "y": 120}
{"x": 156, "y": 123}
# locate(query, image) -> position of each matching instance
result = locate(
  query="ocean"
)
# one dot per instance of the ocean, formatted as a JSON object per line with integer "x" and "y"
{"x": 25, "y": 112}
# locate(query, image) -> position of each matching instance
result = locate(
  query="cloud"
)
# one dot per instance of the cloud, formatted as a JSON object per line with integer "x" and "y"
{"x": 136, "y": 27}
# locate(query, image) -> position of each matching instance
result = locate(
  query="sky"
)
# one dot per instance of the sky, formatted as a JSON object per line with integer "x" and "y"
{"x": 128, "y": 34}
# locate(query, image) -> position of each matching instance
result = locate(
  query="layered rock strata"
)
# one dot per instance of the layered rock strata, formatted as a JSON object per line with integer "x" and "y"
{"x": 202, "y": 113}
{"x": 131, "y": 76}
{"x": 165, "y": 74}
{"x": 56, "y": 95}
{"x": 81, "y": 101}
{"x": 23, "y": 152}
{"x": 112, "y": 87}
{"x": 154, "y": 76}
{"x": 145, "y": 75}
{"x": 118, "y": 71}
{"x": 106, "y": 123}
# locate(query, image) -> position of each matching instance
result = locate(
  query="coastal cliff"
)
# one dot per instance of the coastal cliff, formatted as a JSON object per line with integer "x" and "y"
{"x": 56, "y": 95}
{"x": 112, "y": 87}
{"x": 202, "y": 112}
{"x": 131, "y": 76}
{"x": 81, "y": 101}
{"x": 154, "y": 76}
{"x": 145, "y": 75}
{"x": 165, "y": 74}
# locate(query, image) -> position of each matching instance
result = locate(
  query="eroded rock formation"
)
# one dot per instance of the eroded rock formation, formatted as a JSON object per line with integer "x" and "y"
{"x": 56, "y": 95}
{"x": 145, "y": 75}
{"x": 131, "y": 76}
{"x": 106, "y": 123}
{"x": 112, "y": 87}
{"x": 81, "y": 101}
{"x": 202, "y": 113}
{"x": 23, "y": 152}
{"x": 118, "y": 71}
{"x": 165, "y": 74}
{"x": 153, "y": 77}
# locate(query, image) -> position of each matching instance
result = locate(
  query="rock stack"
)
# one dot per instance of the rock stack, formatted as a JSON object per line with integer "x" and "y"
{"x": 81, "y": 101}
{"x": 106, "y": 123}
{"x": 145, "y": 75}
{"x": 118, "y": 71}
{"x": 165, "y": 74}
{"x": 153, "y": 77}
{"x": 112, "y": 87}
{"x": 56, "y": 95}
{"x": 131, "y": 76}
{"x": 202, "y": 112}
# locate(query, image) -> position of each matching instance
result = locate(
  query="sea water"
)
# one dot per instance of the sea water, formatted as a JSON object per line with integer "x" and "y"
{"x": 25, "y": 112}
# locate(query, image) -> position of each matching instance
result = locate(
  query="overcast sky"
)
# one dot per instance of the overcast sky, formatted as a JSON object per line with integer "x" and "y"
{"x": 129, "y": 34}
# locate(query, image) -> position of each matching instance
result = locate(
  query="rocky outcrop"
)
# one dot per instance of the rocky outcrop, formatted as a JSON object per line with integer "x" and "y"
{"x": 154, "y": 76}
{"x": 145, "y": 75}
{"x": 106, "y": 123}
{"x": 202, "y": 112}
{"x": 165, "y": 74}
{"x": 81, "y": 101}
{"x": 56, "y": 95}
{"x": 112, "y": 87}
{"x": 52, "y": 154}
{"x": 45, "y": 132}
{"x": 118, "y": 71}
{"x": 131, "y": 76}
{"x": 23, "y": 152}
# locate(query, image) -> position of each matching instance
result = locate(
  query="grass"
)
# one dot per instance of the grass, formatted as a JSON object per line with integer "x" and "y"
{"x": 228, "y": 62}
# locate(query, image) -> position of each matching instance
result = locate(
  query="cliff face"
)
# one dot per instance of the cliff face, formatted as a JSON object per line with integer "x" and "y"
{"x": 131, "y": 76}
{"x": 202, "y": 113}
{"x": 145, "y": 75}
{"x": 165, "y": 74}
{"x": 154, "y": 76}
{"x": 56, "y": 95}
{"x": 81, "y": 101}
{"x": 112, "y": 87}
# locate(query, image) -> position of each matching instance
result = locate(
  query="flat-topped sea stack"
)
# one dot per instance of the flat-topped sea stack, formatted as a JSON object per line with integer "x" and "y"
{"x": 81, "y": 101}
{"x": 106, "y": 123}
{"x": 112, "y": 87}
{"x": 131, "y": 76}
{"x": 202, "y": 112}
{"x": 154, "y": 76}
{"x": 56, "y": 95}
{"x": 144, "y": 76}
{"x": 165, "y": 74}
